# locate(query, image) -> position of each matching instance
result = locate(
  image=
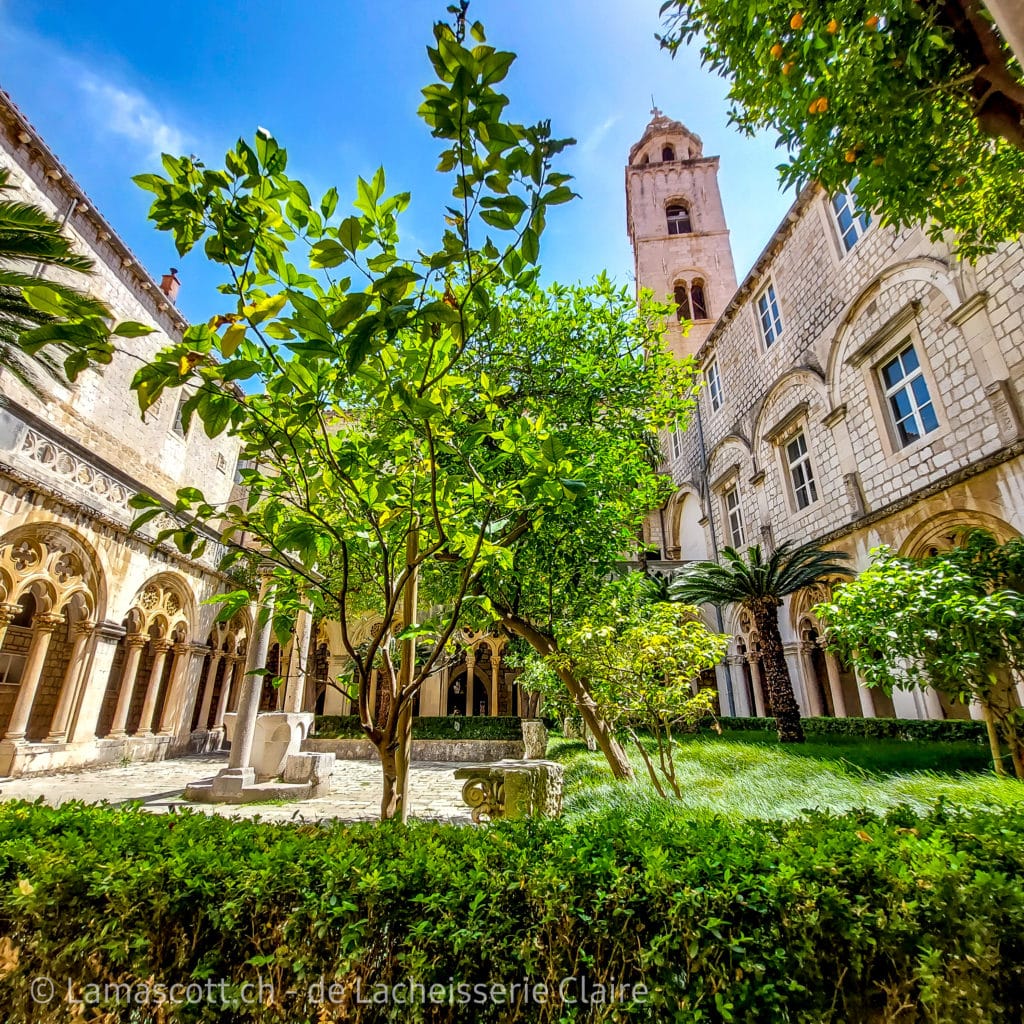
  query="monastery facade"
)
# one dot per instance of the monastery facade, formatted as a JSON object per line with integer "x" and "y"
{"x": 861, "y": 386}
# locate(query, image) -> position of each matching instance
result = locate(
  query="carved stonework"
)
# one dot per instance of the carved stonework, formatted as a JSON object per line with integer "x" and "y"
{"x": 161, "y": 604}
{"x": 63, "y": 464}
{"x": 52, "y": 566}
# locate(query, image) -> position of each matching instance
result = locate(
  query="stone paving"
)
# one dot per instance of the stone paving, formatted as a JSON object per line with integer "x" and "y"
{"x": 158, "y": 785}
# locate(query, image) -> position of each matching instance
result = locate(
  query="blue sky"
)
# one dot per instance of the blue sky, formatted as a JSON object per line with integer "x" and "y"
{"x": 337, "y": 81}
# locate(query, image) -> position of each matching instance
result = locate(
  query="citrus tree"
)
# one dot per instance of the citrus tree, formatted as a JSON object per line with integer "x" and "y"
{"x": 398, "y": 434}
{"x": 918, "y": 103}
{"x": 953, "y": 621}
{"x": 642, "y": 661}
{"x": 370, "y": 447}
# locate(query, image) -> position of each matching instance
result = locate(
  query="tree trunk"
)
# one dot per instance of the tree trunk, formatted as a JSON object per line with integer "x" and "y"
{"x": 775, "y": 671}
{"x": 545, "y": 646}
{"x": 993, "y": 737}
{"x": 390, "y": 794}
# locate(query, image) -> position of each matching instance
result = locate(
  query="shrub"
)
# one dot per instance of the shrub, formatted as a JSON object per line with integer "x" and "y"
{"x": 822, "y": 920}
{"x": 452, "y": 727}
{"x": 948, "y": 731}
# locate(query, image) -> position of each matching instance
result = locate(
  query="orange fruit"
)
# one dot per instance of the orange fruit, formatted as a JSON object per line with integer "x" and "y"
{"x": 872, "y": 23}
{"x": 851, "y": 156}
{"x": 833, "y": 27}
{"x": 776, "y": 51}
{"x": 822, "y": 104}
{"x": 797, "y": 21}
{"x": 787, "y": 67}
{"x": 878, "y": 161}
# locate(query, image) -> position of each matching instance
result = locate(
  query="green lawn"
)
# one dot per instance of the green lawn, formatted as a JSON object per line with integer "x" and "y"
{"x": 750, "y": 775}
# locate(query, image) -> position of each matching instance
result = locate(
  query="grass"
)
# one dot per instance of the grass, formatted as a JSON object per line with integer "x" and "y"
{"x": 751, "y": 775}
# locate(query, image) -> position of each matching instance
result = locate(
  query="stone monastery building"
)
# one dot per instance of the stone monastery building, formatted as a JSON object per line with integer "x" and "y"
{"x": 861, "y": 386}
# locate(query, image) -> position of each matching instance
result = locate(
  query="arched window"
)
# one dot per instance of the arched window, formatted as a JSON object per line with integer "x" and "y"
{"x": 698, "y": 300}
{"x": 682, "y": 302}
{"x": 645, "y": 160}
{"x": 678, "y": 217}
{"x": 668, "y": 153}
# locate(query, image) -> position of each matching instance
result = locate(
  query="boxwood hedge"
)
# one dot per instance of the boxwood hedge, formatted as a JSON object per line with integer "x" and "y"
{"x": 453, "y": 727}
{"x": 852, "y": 918}
{"x": 947, "y": 731}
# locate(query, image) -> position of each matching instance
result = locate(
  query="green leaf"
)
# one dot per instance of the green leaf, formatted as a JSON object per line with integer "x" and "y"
{"x": 349, "y": 233}
{"x": 131, "y": 329}
{"x": 327, "y": 253}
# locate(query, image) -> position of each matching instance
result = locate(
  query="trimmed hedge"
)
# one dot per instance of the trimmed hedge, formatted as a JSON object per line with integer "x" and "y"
{"x": 824, "y": 920}
{"x": 451, "y": 727}
{"x": 948, "y": 731}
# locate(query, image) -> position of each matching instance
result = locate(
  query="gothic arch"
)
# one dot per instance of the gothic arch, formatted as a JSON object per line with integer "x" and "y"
{"x": 931, "y": 272}
{"x": 685, "y": 534}
{"x": 799, "y": 374}
{"x": 729, "y": 440}
{"x": 56, "y": 565}
{"x": 164, "y": 603}
{"x": 941, "y": 529}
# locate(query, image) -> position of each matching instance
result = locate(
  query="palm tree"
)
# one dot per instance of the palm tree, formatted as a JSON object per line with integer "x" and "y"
{"x": 759, "y": 585}
{"x": 45, "y": 324}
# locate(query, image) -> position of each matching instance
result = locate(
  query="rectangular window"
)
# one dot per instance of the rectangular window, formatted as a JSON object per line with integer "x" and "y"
{"x": 178, "y": 426}
{"x": 677, "y": 444}
{"x": 906, "y": 392}
{"x": 800, "y": 473}
{"x": 714, "y": 383}
{"x": 768, "y": 314}
{"x": 850, "y": 219}
{"x": 734, "y": 516}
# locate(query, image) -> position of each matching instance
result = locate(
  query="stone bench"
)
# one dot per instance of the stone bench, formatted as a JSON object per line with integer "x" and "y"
{"x": 512, "y": 789}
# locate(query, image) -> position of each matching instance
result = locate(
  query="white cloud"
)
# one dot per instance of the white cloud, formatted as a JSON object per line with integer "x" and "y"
{"x": 130, "y": 114}
{"x": 592, "y": 143}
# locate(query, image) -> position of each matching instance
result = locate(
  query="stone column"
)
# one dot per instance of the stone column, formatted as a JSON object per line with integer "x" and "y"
{"x": 835, "y": 683}
{"x": 43, "y": 627}
{"x": 134, "y": 643}
{"x": 811, "y": 687}
{"x": 71, "y": 685}
{"x": 8, "y": 613}
{"x": 251, "y": 686}
{"x": 160, "y": 649}
{"x": 754, "y": 662}
{"x": 867, "y": 700}
{"x": 233, "y": 666}
{"x": 208, "y": 685}
{"x": 470, "y": 679}
{"x": 86, "y": 714}
{"x": 495, "y": 670}
{"x": 174, "y": 700}
{"x": 298, "y": 663}
{"x": 933, "y": 705}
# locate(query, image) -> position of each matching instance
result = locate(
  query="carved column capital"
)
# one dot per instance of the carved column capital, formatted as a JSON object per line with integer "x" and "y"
{"x": 8, "y": 613}
{"x": 47, "y": 622}
{"x": 162, "y": 646}
{"x": 138, "y": 640}
{"x": 85, "y": 628}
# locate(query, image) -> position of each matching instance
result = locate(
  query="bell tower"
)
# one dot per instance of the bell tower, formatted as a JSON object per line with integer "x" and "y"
{"x": 676, "y": 224}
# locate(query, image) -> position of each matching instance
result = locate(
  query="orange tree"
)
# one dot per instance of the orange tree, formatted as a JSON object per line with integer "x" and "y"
{"x": 919, "y": 103}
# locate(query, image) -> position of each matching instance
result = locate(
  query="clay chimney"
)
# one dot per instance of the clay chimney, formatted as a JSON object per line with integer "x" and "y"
{"x": 170, "y": 285}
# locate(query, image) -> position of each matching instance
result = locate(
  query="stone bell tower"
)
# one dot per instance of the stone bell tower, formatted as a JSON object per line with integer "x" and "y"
{"x": 677, "y": 227}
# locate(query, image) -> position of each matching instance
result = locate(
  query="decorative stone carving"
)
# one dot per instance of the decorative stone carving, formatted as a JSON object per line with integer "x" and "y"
{"x": 513, "y": 789}
{"x": 60, "y": 462}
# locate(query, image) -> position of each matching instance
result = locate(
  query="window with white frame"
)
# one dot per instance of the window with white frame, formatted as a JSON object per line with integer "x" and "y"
{"x": 713, "y": 379}
{"x": 801, "y": 474}
{"x": 768, "y": 315}
{"x": 677, "y": 444}
{"x": 851, "y": 220}
{"x": 906, "y": 394}
{"x": 734, "y": 516}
